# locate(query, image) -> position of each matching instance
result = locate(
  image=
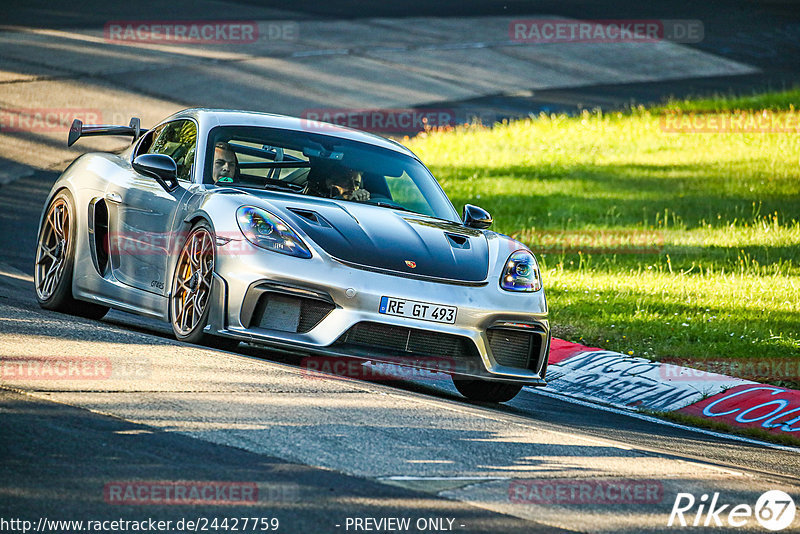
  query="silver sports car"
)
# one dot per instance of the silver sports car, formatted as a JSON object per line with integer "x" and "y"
{"x": 250, "y": 227}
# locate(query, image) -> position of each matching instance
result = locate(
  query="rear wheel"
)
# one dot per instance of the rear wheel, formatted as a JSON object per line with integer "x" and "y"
{"x": 486, "y": 391}
{"x": 55, "y": 261}
{"x": 190, "y": 300}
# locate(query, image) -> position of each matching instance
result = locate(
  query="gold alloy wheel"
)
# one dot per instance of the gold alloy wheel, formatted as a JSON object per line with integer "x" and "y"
{"x": 53, "y": 248}
{"x": 192, "y": 285}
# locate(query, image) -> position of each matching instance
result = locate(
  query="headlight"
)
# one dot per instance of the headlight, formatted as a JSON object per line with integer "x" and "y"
{"x": 265, "y": 230}
{"x": 521, "y": 273}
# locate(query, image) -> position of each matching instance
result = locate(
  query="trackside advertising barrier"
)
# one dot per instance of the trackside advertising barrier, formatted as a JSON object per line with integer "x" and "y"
{"x": 770, "y": 408}
{"x": 631, "y": 382}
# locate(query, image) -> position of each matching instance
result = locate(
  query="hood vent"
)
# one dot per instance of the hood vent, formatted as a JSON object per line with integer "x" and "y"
{"x": 311, "y": 216}
{"x": 457, "y": 241}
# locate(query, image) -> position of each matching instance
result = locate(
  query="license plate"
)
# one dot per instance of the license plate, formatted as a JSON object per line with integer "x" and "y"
{"x": 425, "y": 311}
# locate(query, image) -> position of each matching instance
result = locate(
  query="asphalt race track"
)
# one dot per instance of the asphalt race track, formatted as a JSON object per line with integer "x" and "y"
{"x": 323, "y": 450}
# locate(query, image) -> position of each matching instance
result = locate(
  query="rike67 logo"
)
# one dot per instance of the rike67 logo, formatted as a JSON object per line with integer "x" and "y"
{"x": 774, "y": 510}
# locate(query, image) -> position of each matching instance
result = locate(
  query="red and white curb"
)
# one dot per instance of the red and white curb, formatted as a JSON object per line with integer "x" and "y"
{"x": 631, "y": 383}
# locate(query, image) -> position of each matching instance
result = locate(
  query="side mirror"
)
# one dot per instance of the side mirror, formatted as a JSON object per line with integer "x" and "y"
{"x": 475, "y": 217}
{"x": 159, "y": 166}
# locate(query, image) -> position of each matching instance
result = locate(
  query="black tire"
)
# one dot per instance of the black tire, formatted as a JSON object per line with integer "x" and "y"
{"x": 486, "y": 391}
{"x": 185, "y": 286}
{"x": 55, "y": 261}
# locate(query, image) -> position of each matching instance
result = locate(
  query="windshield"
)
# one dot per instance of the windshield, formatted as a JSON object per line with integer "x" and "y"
{"x": 324, "y": 166}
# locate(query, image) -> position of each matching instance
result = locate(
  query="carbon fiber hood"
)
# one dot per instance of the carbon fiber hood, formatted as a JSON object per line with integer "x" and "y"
{"x": 384, "y": 238}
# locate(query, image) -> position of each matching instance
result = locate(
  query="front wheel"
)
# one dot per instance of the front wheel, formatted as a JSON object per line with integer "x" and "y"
{"x": 190, "y": 300}
{"x": 486, "y": 391}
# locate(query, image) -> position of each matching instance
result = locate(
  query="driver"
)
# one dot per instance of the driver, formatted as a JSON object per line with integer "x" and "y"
{"x": 342, "y": 183}
{"x": 226, "y": 166}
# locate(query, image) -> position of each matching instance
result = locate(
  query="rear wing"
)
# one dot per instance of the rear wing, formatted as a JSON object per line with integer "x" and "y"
{"x": 78, "y": 130}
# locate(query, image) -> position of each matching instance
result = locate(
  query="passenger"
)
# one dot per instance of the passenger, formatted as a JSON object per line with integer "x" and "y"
{"x": 226, "y": 166}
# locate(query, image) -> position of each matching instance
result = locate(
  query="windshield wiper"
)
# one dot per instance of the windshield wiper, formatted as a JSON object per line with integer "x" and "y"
{"x": 283, "y": 187}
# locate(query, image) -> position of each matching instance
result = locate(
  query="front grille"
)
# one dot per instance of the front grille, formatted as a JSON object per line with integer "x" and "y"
{"x": 409, "y": 341}
{"x": 312, "y": 311}
{"x": 516, "y": 348}
{"x": 288, "y": 313}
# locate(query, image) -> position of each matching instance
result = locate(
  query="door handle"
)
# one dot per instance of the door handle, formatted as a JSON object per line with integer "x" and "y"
{"x": 114, "y": 197}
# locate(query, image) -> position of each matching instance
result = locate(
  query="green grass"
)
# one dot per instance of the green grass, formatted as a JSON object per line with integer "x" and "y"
{"x": 777, "y": 101}
{"x": 722, "y": 212}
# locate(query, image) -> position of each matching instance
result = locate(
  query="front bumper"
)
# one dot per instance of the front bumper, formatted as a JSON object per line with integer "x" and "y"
{"x": 321, "y": 306}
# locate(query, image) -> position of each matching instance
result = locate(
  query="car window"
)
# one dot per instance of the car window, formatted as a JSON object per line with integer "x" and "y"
{"x": 257, "y": 163}
{"x": 147, "y": 141}
{"x": 177, "y": 139}
{"x": 320, "y": 165}
{"x": 403, "y": 190}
